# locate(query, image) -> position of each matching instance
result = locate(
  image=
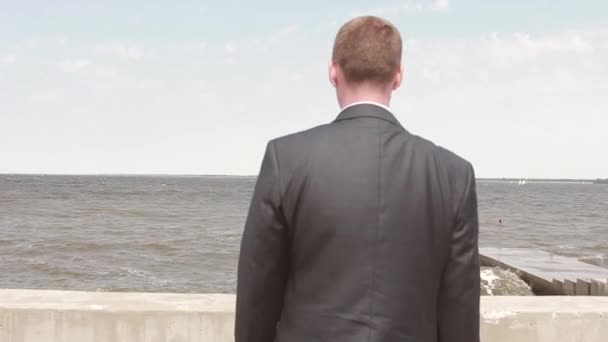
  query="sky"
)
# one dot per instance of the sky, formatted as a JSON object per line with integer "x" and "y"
{"x": 519, "y": 87}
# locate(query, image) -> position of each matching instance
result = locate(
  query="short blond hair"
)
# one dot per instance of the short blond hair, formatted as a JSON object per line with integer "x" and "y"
{"x": 368, "y": 49}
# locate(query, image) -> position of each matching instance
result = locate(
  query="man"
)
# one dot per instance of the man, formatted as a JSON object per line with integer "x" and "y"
{"x": 359, "y": 230}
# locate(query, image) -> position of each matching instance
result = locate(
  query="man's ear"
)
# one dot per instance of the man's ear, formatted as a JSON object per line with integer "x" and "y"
{"x": 333, "y": 74}
{"x": 398, "y": 78}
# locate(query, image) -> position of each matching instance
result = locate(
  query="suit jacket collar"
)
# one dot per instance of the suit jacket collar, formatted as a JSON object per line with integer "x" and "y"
{"x": 367, "y": 110}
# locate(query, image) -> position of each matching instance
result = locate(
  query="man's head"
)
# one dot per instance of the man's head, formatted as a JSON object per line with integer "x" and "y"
{"x": 366, "y": 61}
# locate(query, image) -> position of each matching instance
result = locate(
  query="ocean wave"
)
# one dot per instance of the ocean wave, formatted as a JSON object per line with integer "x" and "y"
{"x": 147, "y": 277}
{"x": 499, "y": 282}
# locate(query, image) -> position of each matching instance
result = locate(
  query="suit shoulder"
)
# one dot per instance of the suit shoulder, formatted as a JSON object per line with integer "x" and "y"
{"x": 455, "y": 172}
{"x": 452, "y": 162}
{"x": 299, "y": 138}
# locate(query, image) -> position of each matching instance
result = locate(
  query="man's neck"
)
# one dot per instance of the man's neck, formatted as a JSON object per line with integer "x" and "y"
{"x": 350, "y": 102}
{"x": 365, "y": 94}
{"x": 366, "y": 102}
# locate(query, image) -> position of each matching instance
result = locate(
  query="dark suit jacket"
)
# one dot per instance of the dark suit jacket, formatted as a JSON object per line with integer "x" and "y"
{"x": 360, "y": 231}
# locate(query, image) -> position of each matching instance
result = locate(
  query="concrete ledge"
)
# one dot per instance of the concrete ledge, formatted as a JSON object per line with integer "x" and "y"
{"x": 549, "y": 274}
{"x": 54, "y": 316}
{"x": 58, "y": 316}
{"x": 542, "y": 318}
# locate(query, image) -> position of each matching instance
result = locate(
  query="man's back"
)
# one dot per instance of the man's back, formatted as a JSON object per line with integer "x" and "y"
{"x": 358, "y": 230}
{"x": 375, "y": 220}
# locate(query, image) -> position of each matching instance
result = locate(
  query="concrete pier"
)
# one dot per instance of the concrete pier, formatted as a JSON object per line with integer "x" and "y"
{"x": 59, "y": 316}
{"x": 549, "y": 274}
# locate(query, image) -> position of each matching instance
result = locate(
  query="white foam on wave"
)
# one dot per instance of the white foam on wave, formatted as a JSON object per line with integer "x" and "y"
{"x": 148, "y": 276}
{"x": 135, "y": 272}
{"x": 490, "y": 277}
{"x": 600, "y": 256}
{"x": 501, "y": 282}
{"x": 566, "y": 247}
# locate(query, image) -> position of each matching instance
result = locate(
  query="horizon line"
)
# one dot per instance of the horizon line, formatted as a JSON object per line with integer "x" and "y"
{"x": 255, "y": 175}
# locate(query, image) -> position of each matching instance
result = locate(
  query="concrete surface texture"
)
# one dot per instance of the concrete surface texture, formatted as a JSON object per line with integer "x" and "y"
{"x": 54, "y": 316}
{"x": 549, "y": 273}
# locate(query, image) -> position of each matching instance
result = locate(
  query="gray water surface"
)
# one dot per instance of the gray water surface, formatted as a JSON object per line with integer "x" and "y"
{"x": 182, "y": 234}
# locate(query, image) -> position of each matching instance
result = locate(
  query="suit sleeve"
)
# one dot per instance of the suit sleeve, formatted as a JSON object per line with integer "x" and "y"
{"x": 262, "y": 266}
{"x": 458, "y": 309}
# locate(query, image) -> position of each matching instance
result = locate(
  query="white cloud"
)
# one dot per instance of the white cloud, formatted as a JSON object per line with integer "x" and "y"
{"x": 440, "y": 5}
{"x": 150, "y": 84}
{"x": 535, "y": 87}
{"x": 408, "y": 7}
{"x": 287, "y": 31}
{"x": 104, "y": 71}
{"x": 53, "y": 95}
{"x": 230, "y": 48}
{"x": 8, "y": 59}
{"x": 521, "y": 47}
{"x": 196, "y": 47}
{"x": 283, "y": 74}
{"x": 33, "y": 43}
{"x": 385, "y": 11}
{"x": 431, "y": 74}
{"x": 130, "y": 52}
{"x": 497, "y": 51}
{"x": 535, "y": 101}
{"x": 264, "y": 42}
{"x": 74, "y": 65}
{"x": 61, "y": 40}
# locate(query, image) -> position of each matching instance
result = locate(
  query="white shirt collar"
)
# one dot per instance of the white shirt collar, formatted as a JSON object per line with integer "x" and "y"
{"x": 366, "y": 102}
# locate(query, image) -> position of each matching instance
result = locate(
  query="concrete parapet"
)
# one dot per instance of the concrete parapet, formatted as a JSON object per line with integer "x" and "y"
{"x": 54, "y": 316}
{"x": 544, "y": 318}
{"x": 59, "y": 316}
{"x": 549, "y": 274}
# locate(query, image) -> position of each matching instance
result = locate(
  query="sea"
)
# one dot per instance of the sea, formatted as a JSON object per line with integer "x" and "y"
{"x": 182, "y": 233}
